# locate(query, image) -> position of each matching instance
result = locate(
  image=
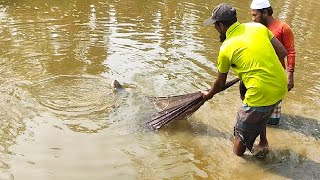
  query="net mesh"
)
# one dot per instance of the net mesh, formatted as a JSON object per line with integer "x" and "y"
{"x": 164, "y": 103}
{"x": 180, "y": 106}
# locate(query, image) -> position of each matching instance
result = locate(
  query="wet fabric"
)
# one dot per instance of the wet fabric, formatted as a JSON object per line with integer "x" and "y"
{"x": 250, "y": 122}
{"x": 275, "y": 116}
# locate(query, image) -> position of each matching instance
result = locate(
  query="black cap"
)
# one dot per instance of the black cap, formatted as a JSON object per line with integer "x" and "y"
{"x": 222, "y": 12}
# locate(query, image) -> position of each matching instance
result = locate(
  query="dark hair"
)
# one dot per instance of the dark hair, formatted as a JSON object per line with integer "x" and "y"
{"x": 228, "y": 23}
{"x": 268, "y": 9}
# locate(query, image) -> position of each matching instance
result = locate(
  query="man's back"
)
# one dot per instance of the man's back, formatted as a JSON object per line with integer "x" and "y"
{"x": 249, "y": 51}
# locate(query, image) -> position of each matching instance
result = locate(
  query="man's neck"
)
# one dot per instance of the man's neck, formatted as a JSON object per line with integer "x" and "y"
{"x": 270, "y": 19}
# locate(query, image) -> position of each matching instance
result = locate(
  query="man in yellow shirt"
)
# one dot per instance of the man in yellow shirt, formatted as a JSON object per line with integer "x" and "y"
{"x": 262, "y": 12}
{"x": 252, "y": 51}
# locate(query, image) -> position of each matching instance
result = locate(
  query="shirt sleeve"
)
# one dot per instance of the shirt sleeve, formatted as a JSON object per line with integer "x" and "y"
{"x": 223, "y": 62}
{"x": 288, "y": 43}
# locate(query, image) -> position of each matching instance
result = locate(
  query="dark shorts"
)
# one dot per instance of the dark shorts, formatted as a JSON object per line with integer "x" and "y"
{"x": 251, "y": 121}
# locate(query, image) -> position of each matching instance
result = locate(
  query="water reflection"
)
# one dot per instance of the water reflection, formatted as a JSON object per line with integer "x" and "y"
{"x": 285, "y": 163}
{"x": 307, "y": 126}
{"x": 55, "y": 106}
{"x": 15, "y": 108}
{"x": 60, "y": 40}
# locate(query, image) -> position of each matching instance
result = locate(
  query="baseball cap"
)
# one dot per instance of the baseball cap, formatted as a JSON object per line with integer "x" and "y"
{"x": 222, "y": 12}
{"x": 260, "y": 4}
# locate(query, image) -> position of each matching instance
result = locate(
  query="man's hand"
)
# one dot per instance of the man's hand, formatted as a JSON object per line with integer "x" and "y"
{"x": 205, "y": 95}
{"x": 290, "y": 81}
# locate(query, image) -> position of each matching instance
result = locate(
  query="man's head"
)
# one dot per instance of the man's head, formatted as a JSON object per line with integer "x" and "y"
{"x": 261, "y": 10}
{"x": 223, "y": 16}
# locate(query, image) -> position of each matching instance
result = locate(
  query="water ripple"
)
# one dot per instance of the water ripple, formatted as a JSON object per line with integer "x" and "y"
{"x": 75, "y": 96}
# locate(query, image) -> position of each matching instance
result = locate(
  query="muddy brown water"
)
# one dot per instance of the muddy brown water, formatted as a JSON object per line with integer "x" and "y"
{"x": 60, "y": 119}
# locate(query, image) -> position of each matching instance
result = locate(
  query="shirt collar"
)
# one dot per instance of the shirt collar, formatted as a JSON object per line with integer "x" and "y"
{"x": 232, "y": 28}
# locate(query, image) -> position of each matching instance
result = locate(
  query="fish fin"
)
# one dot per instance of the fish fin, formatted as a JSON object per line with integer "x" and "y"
{"x": 116, "y": 85}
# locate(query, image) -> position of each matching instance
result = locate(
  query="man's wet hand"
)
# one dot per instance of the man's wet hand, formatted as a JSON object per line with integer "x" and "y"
{"x": 290, "y": 81}
{"x": 290, "y": 86}
{"x": 205, "y": 95}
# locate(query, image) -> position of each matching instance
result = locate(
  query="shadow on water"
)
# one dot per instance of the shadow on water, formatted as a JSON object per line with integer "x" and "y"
{"x": 287, "y": 163}
{"x": 199, "y": 128}
{"x": 306, "y": 126}
{"x": 196, "y": 128}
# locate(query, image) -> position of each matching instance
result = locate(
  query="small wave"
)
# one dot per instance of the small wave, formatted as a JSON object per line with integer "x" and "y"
{"x": 75, "y": 96}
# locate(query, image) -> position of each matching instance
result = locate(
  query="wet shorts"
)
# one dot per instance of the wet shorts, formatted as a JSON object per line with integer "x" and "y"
{"x": 275, "y": 116}
{"x": 251, "y": 121}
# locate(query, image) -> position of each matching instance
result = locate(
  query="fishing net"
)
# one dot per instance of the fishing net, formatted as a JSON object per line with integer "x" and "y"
{"x": 180, "y": 106}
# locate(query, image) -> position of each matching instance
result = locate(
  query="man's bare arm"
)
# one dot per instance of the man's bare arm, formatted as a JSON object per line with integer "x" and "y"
{"x": 217, "y": 86}
{"x": 279, "y": 48}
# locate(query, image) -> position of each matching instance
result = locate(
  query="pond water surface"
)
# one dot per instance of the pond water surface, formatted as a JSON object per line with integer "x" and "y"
{"x": 60, "y": 118}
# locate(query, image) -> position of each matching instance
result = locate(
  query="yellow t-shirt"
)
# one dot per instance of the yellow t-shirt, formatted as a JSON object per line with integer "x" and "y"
{"x": 249, "y": 52}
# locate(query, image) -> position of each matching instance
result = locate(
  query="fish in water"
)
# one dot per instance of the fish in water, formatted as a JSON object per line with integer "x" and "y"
{"x": 116, "y": 85}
